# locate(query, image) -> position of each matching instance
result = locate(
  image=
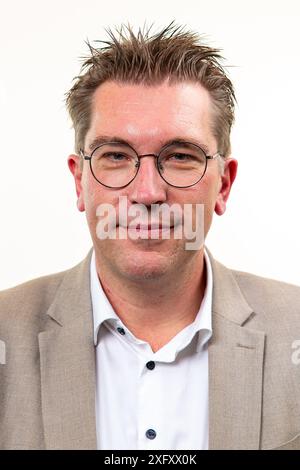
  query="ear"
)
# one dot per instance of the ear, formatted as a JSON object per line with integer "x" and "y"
{"x": 227, "y": 179}
{"x": 74, "y": 164}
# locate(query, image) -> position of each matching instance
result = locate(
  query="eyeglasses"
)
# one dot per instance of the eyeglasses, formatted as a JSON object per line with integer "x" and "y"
{"x": 180, "y": 164}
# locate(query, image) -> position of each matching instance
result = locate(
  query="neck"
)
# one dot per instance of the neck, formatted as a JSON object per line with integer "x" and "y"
{"x": 155, "y": 311}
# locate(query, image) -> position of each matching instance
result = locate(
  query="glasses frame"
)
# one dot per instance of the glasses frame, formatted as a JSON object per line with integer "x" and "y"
{"x": 156, "y": 155}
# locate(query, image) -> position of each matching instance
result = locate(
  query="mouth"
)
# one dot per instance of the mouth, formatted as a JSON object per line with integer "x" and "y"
{"x": 148, "y": 231}
{"x": 150, "y": 227}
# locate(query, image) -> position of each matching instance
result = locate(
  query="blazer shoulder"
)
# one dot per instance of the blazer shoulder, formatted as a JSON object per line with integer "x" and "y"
{"x": 253, "y": 281}
{"x": 270, "y": 296}
{"x": 27, "y": 300}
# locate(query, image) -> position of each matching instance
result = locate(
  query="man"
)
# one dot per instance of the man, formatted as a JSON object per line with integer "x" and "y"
{"x": 148, "y": 343}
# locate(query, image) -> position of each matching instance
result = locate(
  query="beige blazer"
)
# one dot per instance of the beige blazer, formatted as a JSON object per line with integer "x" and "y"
{"x": 47, "y": 377}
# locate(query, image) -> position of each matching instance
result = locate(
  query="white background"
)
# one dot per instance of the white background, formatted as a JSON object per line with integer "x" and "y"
{"x": 41, "y": 42}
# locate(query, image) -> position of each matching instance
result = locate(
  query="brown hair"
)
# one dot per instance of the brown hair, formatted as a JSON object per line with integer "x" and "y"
{"x": 172, "y": 54}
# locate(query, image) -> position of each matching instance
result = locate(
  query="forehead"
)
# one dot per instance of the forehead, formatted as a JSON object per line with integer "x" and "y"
{"x": 160, "y": 112}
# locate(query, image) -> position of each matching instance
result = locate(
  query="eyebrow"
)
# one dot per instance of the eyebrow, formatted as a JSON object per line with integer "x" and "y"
{"x": 103, "y": 139}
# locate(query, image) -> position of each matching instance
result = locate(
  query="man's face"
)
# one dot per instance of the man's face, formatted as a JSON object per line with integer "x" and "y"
{"x": 146, "y": 118}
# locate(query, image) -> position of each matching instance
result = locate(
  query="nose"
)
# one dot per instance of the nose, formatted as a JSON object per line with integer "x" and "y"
{"x": 148, "y": 187}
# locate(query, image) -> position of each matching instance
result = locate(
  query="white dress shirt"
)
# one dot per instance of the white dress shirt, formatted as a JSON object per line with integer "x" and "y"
{"x": 147, "y": 400}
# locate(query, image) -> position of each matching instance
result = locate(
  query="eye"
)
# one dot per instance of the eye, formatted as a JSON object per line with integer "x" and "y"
{"x": 180, "y": 157}
{"x": 116, "y": 156}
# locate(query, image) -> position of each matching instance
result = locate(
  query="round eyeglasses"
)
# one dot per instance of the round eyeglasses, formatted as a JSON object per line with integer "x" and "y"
{"x": 180, "y": 164}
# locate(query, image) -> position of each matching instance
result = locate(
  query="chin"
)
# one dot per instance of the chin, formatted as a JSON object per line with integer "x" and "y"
{"x": 138, "y": 261}
{"x": 145, "y": 266}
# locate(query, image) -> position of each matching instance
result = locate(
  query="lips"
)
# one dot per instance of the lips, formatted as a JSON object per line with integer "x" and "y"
{"x": 150, "y": 227}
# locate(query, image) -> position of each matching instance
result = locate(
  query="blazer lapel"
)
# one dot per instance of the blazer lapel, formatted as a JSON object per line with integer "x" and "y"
{"x": 235, "y": 368}
{"x": 67, "y": 361}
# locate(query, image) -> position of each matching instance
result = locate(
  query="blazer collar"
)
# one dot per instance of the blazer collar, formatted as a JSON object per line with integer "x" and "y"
{"x": 236, "y": 353}
{"x": 228, "y": 300}
{"x": 73, "y": 297}
{"x": 67, "y": 363}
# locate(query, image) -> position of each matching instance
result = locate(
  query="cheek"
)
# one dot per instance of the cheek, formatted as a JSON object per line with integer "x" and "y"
{"x": 204, "y": 193}
{"x": 93, "y": 191}
{"x": 94, "y": 195}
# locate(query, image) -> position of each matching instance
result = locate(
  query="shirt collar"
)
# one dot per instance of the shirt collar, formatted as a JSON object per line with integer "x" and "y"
{"x": 103, "y": 310}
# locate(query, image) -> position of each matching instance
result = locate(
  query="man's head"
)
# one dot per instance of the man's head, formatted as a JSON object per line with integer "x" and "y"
{"x": 148, "y": 91}
{"x": 171, "y": 54}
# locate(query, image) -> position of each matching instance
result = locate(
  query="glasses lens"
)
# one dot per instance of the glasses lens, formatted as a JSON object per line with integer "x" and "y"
{"x": 114, "y": 164}
{"x": 182, "y": 164}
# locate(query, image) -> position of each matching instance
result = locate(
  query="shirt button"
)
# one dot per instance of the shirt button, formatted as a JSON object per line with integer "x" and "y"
{"x": 121, "y": 330}
{"x": 150, "y": 365}
{"x": 151, "y": 434}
